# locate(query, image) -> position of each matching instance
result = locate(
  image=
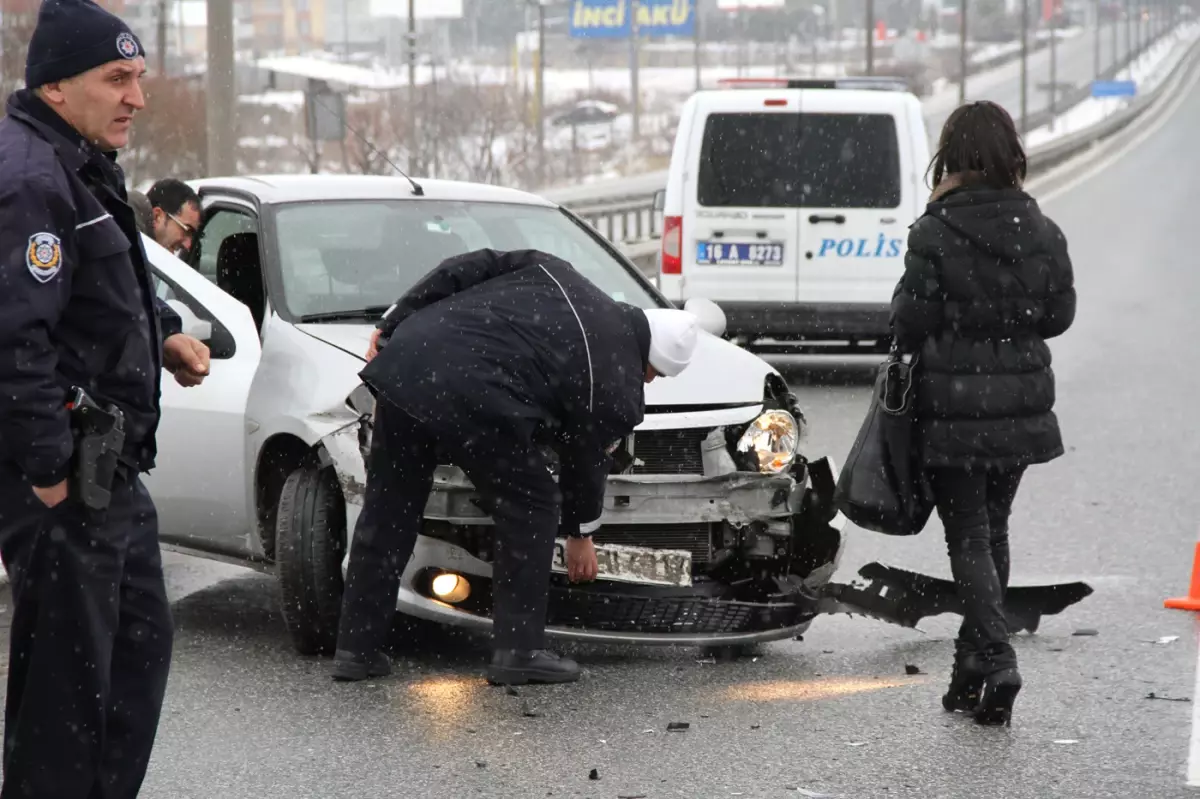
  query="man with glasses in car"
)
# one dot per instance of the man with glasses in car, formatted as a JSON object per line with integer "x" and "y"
{"x": 176, "y": 209}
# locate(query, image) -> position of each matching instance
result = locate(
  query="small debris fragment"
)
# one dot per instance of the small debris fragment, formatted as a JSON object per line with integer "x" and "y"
{"x": 594, "y": 774}
{"x": 480, "y": 764}
{"x": 631, "y": 796}
{"x": 703, "y": 716}
{"x": 911, "y": 669}
{"x": 826, "y": 651}
{"x": 646, "y": 731}
{"x": 470, "y": 731}
{"x": 755, "y": 726}
{"x": 813, "y": 794}
{"x": 1066, "y": 741}
{"x": 678, "y": 726}
{"x": 508, "y": 689}
{"x": 529, "y": 712}
{"x": 1166, "y": 639}
{"x": 856, "y": 743}
{"x": 1153, "y": 695}
{"x": 1057, "y": 649}
{"x": 707, "y": 661}
{"x": 1086, "y": 631}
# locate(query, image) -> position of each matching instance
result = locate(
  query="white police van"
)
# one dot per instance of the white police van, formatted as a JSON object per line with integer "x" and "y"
{"x": 788, "y": 203}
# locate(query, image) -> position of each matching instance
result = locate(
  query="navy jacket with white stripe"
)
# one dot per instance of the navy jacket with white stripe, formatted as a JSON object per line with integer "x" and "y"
{"x": 521, "y": 346}
{"x": 77, "y": 300}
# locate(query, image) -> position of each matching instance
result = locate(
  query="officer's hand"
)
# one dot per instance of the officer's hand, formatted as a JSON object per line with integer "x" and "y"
{"x": 373, "y": 347}
{"x": 581, "y": 560}
{"x": 186, "y": 358}
{"x": 53, "y": 495}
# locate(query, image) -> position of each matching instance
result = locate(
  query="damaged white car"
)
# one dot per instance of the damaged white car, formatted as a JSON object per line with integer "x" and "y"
{"x": 717, "y": 530}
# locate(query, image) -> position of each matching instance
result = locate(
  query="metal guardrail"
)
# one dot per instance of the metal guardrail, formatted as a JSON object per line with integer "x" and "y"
{"x": 627, "y": 217}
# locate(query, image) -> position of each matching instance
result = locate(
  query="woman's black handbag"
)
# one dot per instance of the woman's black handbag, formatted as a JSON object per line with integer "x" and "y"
{"x": 882, "y": 486}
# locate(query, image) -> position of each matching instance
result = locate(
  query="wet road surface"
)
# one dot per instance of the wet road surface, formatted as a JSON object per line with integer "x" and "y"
{"x": 835, "y": 714}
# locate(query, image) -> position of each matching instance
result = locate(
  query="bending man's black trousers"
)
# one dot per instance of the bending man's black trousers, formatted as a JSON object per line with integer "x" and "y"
{"x": 974, "y": 508}
{"x": 90, "y": 645}
{"x": 516, "y": 489}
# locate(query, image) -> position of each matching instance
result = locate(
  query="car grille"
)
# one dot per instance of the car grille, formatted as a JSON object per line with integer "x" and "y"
{"x": 670, "y": 615}
{"x": 695, "y": 538}
{"x": 669, "y": 451}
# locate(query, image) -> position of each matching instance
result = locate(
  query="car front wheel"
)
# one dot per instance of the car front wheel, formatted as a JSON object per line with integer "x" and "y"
{"x": 310, "y": 544}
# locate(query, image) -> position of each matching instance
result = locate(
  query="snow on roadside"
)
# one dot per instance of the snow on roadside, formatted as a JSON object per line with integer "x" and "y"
{"x": 1147, "y": 71}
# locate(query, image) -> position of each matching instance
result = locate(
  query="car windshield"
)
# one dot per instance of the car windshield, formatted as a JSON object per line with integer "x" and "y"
{"x": 341, "y": 259}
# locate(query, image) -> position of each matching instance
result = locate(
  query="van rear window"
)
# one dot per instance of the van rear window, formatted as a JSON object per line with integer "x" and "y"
{"x": 799, "y": 161}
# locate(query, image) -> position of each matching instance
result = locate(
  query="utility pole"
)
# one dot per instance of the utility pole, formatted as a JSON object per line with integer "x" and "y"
{"x": 1096, "y": 43}
{"x": 1053, "y": 63}
{"x": 962, "y": 52}
{"x": 221, "y": 92}
{"x": 1024, "y": 66}
{"x": 696, "y": 40}
{"x": 634, "y": 59}
{"x": 541, "y": 92}
{"x": 414, "y": 145}
{"x": 1115, "y": 42}
{"x": 871, "y": 37}
{"x": 162, "y": 37}
{"x": 1128, "y": 30}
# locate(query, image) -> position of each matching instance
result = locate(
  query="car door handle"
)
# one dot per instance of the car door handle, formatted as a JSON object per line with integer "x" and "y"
{"x": 839, "y": 219}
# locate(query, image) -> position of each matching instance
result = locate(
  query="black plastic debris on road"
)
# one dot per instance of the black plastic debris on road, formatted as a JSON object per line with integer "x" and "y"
{"x": 1086, "y": 631}
{"x": 480, "y": 764}
{"x": 594, "y": 774}
{"x": 911, "y": 669}
{"x": 678, "y": 726}
{"x": 1153, "y": 695}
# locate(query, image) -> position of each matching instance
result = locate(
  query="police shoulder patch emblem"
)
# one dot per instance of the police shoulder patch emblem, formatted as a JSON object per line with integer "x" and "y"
{"x": 127, "y": 46}
{"x": 44, "y": 256}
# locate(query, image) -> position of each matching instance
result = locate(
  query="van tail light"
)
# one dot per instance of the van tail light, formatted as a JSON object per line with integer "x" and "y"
{"x": 672, "y": 245}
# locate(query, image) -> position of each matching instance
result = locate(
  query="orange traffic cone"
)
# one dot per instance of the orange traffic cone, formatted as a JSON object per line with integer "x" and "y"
{"x": 1192, "y": 600}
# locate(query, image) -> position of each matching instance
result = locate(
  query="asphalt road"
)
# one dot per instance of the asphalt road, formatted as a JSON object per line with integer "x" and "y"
{"x": 835, "y": 714}
{"x": 1074, "y": 60}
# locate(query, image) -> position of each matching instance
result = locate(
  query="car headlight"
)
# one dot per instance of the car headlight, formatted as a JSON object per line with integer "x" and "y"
{"x": 773, "y": 439}
{"x": 362, "y": 401}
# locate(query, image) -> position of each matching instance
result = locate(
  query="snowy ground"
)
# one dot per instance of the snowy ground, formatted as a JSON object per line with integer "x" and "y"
{"x": 1148, "y": 71}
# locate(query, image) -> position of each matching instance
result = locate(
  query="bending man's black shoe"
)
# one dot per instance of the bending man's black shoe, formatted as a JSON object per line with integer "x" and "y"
{"x": 516, "y": 667}
{"x": 349, "y": 667}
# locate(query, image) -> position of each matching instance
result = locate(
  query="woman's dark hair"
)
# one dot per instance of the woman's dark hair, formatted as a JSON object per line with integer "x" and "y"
{"x": 980, "y": 138}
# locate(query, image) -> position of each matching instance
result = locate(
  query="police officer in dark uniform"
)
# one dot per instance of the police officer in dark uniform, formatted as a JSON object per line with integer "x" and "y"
{"x": 487, "y": 359}
{"x": 83, "y": 341}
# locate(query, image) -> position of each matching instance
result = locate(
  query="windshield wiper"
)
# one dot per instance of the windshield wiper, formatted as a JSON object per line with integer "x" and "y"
{"x": 371, "y": 312}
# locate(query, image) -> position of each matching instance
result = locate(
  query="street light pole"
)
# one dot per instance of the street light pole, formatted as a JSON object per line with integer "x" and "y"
{"x": 1024, "y": 65}
{"x": 633, "y": 69}
{"x": 541, "y": 92}
{"x": 1053, "y": 63}
{"x": 870, "y": 37}
{"x": 1096, "y": 43}
{"x": 962, "y": 52}
{"x": 414, "y": 162}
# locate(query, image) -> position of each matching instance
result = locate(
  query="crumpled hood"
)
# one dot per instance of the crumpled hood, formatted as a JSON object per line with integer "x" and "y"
{"x": 1006, "y": 223}
{"x": 720, "y": 373}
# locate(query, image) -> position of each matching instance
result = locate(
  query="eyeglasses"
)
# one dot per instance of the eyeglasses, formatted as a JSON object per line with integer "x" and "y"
{"x": 188, "y": 229}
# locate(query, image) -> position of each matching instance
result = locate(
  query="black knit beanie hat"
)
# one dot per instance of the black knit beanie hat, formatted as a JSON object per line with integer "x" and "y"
{"x": 73, "y": 36}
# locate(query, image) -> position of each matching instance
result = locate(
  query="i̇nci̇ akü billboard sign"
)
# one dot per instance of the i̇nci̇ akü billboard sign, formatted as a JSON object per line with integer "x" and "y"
{"x": 611, "y": 19}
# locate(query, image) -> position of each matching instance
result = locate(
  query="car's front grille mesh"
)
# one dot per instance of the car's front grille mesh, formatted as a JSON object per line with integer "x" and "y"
{"x": 669, "y": 451}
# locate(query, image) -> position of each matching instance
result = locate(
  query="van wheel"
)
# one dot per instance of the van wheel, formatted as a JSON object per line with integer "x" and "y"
{"x": 310, "y": 543}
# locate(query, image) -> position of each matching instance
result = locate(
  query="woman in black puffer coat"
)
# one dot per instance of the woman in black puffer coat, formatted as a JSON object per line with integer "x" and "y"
{"x": 987, "y": 280}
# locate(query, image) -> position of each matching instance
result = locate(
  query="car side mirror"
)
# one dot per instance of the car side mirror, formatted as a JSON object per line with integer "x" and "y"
{"x": 709, "y": 314}
{"x": 660, "y": 199}
{"x": 194, "y": 326}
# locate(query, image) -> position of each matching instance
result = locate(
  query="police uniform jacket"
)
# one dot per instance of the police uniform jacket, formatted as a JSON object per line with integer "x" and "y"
{"x": 519, "y": 346}
{"x": 77, "y": 306}
{"x": 987, "y": 280}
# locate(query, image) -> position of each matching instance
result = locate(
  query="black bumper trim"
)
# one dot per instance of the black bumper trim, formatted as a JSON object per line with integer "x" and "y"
{"x": 815, "y": 321}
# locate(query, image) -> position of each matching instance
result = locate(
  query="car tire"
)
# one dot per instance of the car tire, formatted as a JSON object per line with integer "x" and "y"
{"x": 310, "y": 544}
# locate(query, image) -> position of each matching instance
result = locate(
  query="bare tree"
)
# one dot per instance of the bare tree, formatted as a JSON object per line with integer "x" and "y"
{"x": 169, "y": 135}
{"x": 16, "y": 29}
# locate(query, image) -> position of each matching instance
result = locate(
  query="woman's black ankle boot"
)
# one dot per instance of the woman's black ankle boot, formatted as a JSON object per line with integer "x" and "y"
{"x": 996, "y": 699}
{"x": 966, "y": 681}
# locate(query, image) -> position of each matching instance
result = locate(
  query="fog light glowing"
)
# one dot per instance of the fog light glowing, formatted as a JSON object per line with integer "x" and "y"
{"x": 451, "y": 588}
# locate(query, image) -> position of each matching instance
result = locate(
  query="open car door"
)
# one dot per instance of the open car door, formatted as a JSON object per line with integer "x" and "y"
{"x": 200, "y": 484}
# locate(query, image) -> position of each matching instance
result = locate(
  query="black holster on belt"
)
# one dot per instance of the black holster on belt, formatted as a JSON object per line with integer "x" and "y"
{"x": 99, "y": 435}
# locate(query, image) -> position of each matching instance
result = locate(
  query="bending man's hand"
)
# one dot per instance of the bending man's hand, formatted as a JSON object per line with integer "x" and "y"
{"x": 581, "y": 560}
{"x": 373, "y": 347}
